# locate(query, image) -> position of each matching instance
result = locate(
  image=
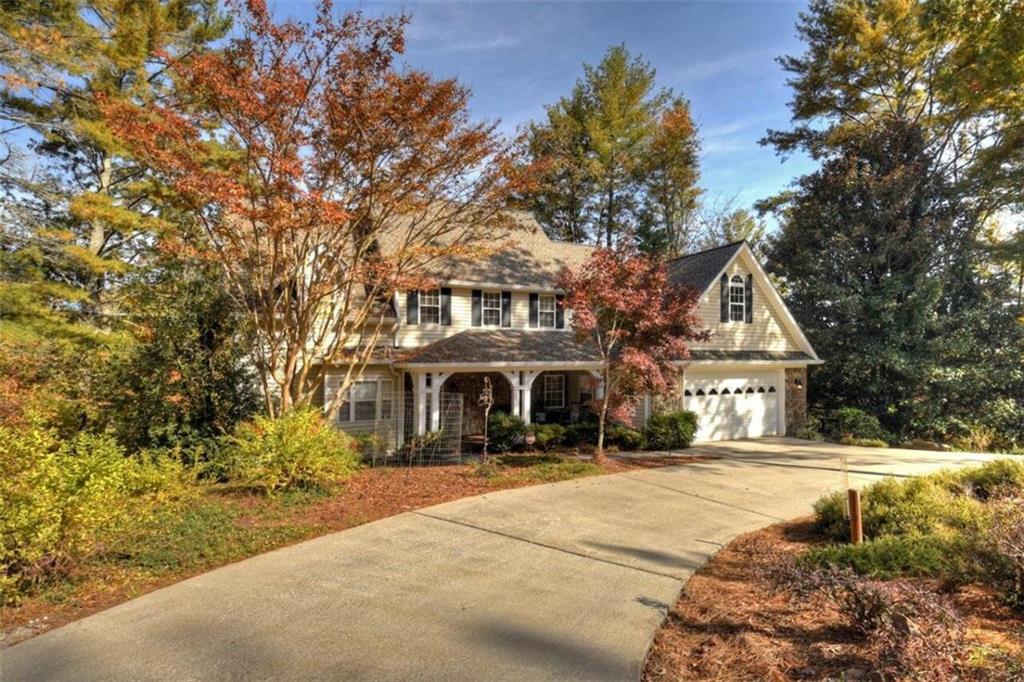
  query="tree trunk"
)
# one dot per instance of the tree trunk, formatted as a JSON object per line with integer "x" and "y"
{"x": 599, "y": 456}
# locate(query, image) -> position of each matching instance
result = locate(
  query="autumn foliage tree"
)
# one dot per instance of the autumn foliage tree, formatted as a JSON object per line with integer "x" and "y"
{"x": 625, "y": 309}
{"x": 321, "y": 178}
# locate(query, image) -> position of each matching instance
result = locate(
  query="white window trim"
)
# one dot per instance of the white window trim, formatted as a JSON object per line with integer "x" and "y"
{"x": 541, "y": 311}
{"x": 422, "y": 305}
{"x": 484, "y": 308}
{"x": 561, "y": 391}
{"x": 736, "y": 283}
{"x": 379, "y": 400}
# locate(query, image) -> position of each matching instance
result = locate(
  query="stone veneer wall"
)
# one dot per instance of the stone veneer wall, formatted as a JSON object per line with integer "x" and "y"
{"x": 796, "y": 399}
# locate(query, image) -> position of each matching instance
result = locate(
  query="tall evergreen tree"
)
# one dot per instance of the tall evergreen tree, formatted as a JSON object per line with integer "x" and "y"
{"x": 616, "y": 157}
{"x": 81, "y": 195}
{"x": 857, "y": 252}
{"x": 950, "y": 73}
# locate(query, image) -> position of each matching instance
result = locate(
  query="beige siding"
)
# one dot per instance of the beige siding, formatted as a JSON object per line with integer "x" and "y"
{"x": 411, "y": 336}
{"x": 766, "y": 332}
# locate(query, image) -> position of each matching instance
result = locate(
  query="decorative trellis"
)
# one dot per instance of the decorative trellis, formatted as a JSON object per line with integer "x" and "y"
{"x": 441, "y": 446}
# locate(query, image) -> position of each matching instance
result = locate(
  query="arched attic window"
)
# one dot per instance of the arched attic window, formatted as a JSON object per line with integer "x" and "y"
{"x": 737, "y": 299}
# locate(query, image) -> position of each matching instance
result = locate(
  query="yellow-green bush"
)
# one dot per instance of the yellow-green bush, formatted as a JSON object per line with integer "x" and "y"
{"x": 899, "y": 507}
{"x": 297, "y": 450}
{"x": 59, "y": 500}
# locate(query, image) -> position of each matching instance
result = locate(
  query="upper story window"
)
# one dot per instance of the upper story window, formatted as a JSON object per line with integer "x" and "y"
{"x": 737, "y": 299}
{"x": 430, "y": 307}
{"x": 492, "y": 308}
{"x": 546, "y": 311}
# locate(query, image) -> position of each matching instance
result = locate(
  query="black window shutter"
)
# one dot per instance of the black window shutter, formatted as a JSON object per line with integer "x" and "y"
{"x": 725, "y": 298}
{"x": 749, "y": 300}
{"x": 506, "y": 309}
{"x": 477, "y": 314}
{"x": 446, "y": 306}
{"x": 412, "y": 307}
{"x": 559, "y": 311}
{"x": 534, "y": 310}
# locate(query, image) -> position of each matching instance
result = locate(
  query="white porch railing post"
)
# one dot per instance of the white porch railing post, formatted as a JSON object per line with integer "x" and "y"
{"x": 526, "y": 389}
{"x": 419, "y": 401}
{"x": 436, "y": 382}
{"x": 513, "y": 382}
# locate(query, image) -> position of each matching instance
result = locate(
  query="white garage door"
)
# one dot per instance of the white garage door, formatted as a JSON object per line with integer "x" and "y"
{"x": 733, "y": 405}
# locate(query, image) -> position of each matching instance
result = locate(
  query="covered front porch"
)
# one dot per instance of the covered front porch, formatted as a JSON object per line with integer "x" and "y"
{"x": 537, "y": 375}
{"x": 538, "y": 394}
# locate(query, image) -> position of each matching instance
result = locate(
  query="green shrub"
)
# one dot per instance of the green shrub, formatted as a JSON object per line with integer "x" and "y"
{"x": 581, "y": 433}
{"x": 850, "y": 421}
{"x": 811, "y": 430}
{"x": 623, "y": 437}
{"x": 998, "y": 476}
{"x": 950, "y": 557}
{"x": 504, "y": 432}
{"x": 60, "y": 500}
{"x": 894, "y": 507}
{"x": 548, "y": 435}
{"x": 864, "y": 442}
{"x": 297, "y": 450}
{"x": 671, "y": 430}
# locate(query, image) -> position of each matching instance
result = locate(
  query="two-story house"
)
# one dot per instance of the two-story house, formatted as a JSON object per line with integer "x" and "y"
{"x": 502, "y": 317}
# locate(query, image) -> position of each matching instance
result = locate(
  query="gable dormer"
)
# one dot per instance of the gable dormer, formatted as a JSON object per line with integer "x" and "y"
{"x": 738, "y": 302}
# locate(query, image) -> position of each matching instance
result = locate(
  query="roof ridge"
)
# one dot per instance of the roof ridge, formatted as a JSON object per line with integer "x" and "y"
{"x": 713, "y": 248}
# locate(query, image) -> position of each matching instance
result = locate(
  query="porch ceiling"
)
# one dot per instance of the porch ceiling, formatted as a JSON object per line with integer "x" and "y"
{"x": 495, "y": 347}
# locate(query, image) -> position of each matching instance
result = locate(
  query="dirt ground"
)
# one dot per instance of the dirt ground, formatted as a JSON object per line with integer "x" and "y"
{"x": 733, "y": 621}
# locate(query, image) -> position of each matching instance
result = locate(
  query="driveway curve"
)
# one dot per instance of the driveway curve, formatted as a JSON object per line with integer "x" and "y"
{"x": 554, "y": 582}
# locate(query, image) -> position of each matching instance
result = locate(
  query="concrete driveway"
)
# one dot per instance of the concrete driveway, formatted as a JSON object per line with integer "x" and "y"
{"x": 555, "y": 582}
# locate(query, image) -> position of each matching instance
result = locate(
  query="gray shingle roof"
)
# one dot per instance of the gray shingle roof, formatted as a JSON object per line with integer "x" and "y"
{"x": 528, "y": 346}
{"x": 502, "y": 345}
{"x": 526, "y": 257}
{"x": 698, "y": 270}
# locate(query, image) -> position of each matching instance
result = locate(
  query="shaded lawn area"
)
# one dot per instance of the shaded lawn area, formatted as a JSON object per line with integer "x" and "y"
{"x": 220, "y": 526}
{"x": 734, "y": 621}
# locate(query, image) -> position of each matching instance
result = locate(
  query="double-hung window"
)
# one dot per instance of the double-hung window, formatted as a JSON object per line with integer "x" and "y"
{"x": 367, "y": 401}
{"x": 737, "y": 299}
{"x": 546, "y": 311}
{"x": 430, "y": 307}
{"x": 554, "y": 391}
{"x": 492, "y": 308}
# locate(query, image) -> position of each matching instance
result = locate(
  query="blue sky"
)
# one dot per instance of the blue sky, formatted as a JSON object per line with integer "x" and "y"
{"x": 517, "y": 57}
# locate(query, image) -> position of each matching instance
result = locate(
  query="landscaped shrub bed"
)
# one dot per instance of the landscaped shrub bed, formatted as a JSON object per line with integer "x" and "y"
{"x": 961, "y": 526}
{"x": 757, "y": 612}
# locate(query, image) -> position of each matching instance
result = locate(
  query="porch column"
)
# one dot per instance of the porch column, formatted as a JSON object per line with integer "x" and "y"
{"x": 436, "y": 381}
{"x": 526, "y": 389}
{"x": 419, "y": 401}
{"x": 513, "y": 382}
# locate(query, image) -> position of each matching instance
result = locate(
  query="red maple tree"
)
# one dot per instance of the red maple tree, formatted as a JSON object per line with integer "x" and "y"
{"x": 624, "y": 307}
{"x": 323, "y": 177}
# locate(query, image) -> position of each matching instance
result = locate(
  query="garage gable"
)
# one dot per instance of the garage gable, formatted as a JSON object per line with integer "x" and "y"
{"x": 766, "y": 326}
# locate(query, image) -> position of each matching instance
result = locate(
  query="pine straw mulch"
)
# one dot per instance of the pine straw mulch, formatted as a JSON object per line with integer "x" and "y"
{"x": 734, "y": 621}
{"x": 369, "y": 495}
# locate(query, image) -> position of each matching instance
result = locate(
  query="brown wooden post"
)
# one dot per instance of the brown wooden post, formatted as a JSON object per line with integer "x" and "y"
{"x": 856, "y": 526}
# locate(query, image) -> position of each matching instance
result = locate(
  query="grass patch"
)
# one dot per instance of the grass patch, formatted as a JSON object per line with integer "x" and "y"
{"x": 218, "y": 528}
{"x": 512, "y": 469}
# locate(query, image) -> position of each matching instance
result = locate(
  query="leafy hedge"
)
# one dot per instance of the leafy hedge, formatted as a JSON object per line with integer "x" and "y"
{"x": 850, "y": 422}
{"x": 61, "y": 498}
{"x": 671, "y": 430}
{"x": 297, "y": 450}
{"x": 504, "y": 431}
{"x": 959, "y": 525}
